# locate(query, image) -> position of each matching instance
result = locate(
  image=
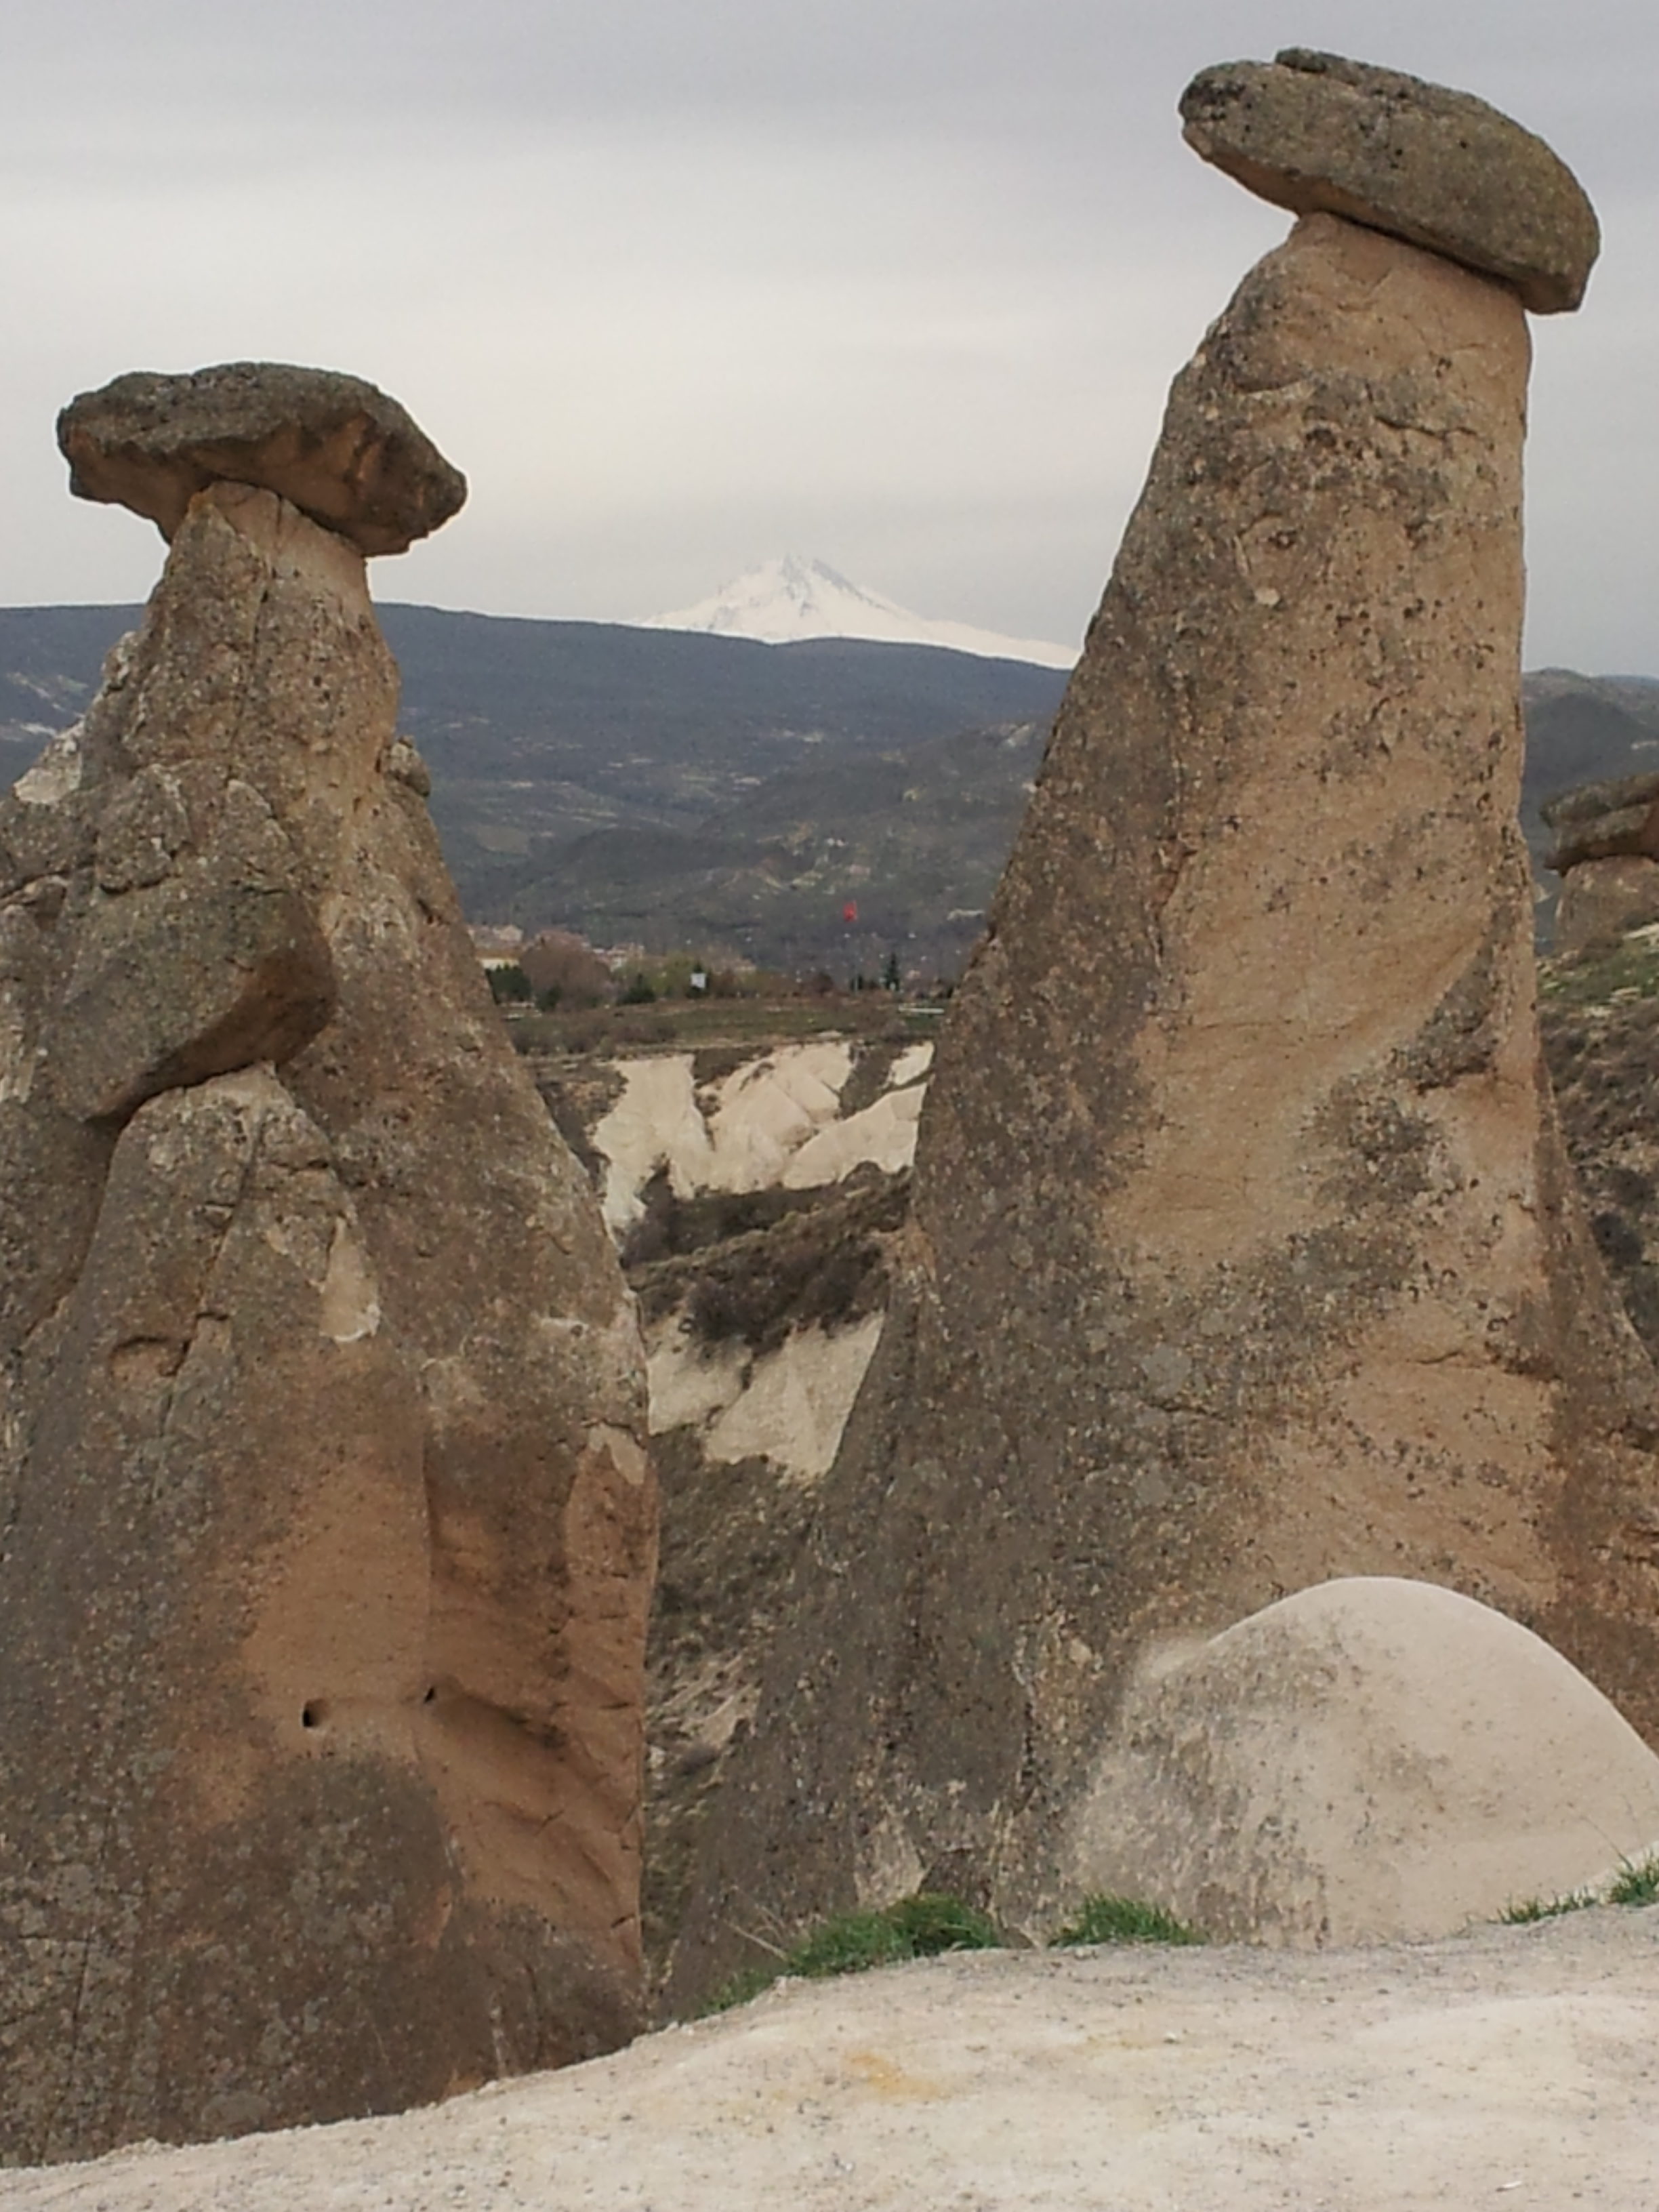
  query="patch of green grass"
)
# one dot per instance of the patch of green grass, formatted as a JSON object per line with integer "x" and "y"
{"x": 1102, "y": 1919}
{"x": 1637, "y": 1882}
{"x": 1629, "y": 969}
{"x": 1525, "y": 1910}
{"x": 920, "y": 1927}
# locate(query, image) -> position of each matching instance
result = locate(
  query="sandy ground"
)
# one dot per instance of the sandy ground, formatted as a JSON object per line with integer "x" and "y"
{"x": 1509, "y": 2067}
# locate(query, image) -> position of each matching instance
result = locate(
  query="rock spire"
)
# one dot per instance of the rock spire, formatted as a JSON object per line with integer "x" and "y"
{"x": 1244, "y": 1253}
{"x": 327, "y": 1522}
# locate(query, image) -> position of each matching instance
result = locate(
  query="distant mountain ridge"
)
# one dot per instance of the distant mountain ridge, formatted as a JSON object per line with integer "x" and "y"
{"x": 787, "y": 600}
{"x": 582, "y": 771}
{"x": 676, "y": 790}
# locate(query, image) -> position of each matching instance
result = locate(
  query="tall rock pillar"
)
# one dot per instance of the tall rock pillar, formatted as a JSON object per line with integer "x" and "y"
{"x": 1243, "y": 1252}
{"x": 327, "y": 1527}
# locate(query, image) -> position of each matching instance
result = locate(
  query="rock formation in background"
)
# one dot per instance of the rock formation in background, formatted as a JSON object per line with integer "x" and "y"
{"x": 327, "y": 1522}
{"x": 1244, "y": 1252}
{"x": 1606, "y": 851}
{"x": 1599, "y": 1020}
{"x": 756, "y": 1193}
{"x": 758, "y": 1196}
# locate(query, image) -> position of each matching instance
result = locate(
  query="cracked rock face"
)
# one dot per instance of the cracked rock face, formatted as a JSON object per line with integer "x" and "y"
{"x": 1313, "y": 131}
{"x": 1244, "y": 1252}
{"x": 326, "y": 1529}
{"x": 332, "y": 445}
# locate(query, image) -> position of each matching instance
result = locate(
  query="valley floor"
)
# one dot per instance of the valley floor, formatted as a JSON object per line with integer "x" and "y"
{"x": 1510, "y": 2066}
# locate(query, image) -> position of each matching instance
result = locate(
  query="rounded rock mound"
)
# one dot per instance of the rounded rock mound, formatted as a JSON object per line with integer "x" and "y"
{"x": 1370, "y": 1760}
{"x": 1604, "y": 822}
{"x": 1316, "y": 133}
{"x": 334, "y": 445}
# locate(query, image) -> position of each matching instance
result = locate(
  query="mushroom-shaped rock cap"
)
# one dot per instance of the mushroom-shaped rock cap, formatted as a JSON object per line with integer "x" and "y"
{"x": 336, "y": 446}
{"x": 1604, "y": 822}
{"x": 1314, "y": 132}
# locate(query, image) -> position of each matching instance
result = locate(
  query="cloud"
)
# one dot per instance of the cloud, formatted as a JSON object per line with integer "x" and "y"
{"x": 681, "y": 287}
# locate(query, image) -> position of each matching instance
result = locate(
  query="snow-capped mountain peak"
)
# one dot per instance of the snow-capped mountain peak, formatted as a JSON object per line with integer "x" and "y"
{"x": 785, "y": 600}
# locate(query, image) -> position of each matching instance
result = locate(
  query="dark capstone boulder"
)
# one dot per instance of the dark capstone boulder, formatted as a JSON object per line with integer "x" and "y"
{"x": 333, "y": 445}
{"x": 1314, "y": 132}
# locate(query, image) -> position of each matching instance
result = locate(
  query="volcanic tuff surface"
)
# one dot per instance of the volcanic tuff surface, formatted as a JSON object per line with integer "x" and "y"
{"x": 755, "y": 1194}
{"x": 1368, "y": 1762}
{"x": 1220, "y": 1283}
{"x": 759, "y": 1302}
{"x": 1510, "y": 2062}
{"x": 328, "y": 1520}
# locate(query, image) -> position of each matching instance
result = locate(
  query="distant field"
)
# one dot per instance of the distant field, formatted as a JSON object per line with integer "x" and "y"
{"x": 695, "y": 1027}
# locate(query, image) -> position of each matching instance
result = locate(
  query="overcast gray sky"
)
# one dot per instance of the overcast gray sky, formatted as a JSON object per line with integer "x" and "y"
{"x": 682, "y": 285}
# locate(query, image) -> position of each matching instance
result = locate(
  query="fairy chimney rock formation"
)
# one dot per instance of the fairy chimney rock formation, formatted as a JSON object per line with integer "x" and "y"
{"x": 1244, "y": 1252}
{"x": 328, "y": 1527}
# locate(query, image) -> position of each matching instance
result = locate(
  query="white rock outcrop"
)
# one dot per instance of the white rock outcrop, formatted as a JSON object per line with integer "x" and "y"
{"x": 1370, "y": 1760}
{"x": 775, "y": 1120}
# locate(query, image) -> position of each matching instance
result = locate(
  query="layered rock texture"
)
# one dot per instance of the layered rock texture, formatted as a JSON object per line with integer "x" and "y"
{"x": 1244, "y": 1252}
{"x": 327, "y": 1522}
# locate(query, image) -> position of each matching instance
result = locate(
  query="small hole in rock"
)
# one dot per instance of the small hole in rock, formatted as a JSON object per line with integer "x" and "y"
{"x": 431, "y": 1699}
{"x": 311, "y": 1716}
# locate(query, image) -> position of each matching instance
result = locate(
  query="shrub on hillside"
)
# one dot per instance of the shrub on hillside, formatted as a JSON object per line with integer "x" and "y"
{"x": 508, "y": 985}
{"x": 563, "y": 970}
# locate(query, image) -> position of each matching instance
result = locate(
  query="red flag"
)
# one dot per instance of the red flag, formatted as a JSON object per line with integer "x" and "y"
{"x": 850, "y": 911}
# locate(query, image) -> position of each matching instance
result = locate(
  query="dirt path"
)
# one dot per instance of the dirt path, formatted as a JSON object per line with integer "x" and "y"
{"x": 1513, "y": 2067}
